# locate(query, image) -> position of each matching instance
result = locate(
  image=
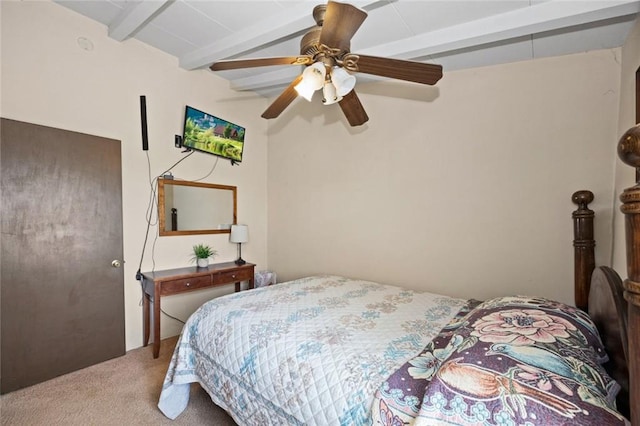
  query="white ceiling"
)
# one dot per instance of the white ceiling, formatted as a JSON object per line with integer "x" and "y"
{"x": 457, "y": 34}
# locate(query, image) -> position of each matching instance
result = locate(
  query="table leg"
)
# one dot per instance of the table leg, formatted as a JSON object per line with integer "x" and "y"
{"x": 146, "y": 313}
{"x": 251, "y": 284}
{"x": 156, "y": 321}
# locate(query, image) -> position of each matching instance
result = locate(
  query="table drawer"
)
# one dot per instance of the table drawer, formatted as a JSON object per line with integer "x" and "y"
{"x": 233, "y": 276}
{"x": 178, "y": 286}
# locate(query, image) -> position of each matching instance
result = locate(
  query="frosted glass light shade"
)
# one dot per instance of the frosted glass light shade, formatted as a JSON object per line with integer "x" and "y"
{"x": 312, "y": 80}
{"x": 329, "y": 95}
{"x": 343, "y": 81}
{"x": 239, "y": 234}
{"x": 315, "y": 74}
{"x": 305, "y": 90}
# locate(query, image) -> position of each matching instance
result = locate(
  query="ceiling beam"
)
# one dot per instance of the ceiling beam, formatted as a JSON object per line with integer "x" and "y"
{"x": 133, "y": 17}
{"x": 290, "y": 21}
{"x": 280, "y": 77}
{"x": 537, "y": 18}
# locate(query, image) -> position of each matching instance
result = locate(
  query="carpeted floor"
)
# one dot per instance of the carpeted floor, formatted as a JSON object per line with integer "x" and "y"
{"x": 121, "y": 391}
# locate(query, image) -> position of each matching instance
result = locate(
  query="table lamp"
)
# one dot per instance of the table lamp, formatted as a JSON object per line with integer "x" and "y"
{"x": 239, "y": 234}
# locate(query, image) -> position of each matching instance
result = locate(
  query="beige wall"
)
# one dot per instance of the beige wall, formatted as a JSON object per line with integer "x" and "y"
{"x": 462, "y": 189}
{"x": 624, "y": 175}
{"x": 47, "y": 79}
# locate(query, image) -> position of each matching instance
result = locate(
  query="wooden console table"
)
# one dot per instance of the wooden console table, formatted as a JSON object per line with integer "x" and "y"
{"x": 173, "y": 281}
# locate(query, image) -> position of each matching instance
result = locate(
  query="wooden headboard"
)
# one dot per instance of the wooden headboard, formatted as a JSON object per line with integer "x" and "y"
{"x": 584, "y": 247}
{"x": 614, "y": 305}
{"x": 599, "y": 291}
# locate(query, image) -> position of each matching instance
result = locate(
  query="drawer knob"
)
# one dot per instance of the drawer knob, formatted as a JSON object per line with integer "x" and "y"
{"x": 188, "y": 284}
{"x": 233, "y": 276}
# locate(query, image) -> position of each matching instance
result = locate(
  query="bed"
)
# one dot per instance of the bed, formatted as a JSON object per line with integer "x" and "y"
{"x": 328, "y": 350}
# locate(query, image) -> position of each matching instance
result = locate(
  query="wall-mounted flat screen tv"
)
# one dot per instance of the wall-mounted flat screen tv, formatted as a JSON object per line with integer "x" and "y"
{"x": 207, "y": 133}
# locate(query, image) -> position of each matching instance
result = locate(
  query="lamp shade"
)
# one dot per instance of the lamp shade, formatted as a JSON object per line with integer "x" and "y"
{"x": 329, "y": 95}
{"x": 305, "y": 90}
{"x": 314, "y": 75}
{"x": 239, "y": 234}
{"x": 343, "y": 81}
{"x": 312, "y": 80}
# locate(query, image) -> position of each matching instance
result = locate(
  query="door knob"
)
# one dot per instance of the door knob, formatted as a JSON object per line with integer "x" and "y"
{"x": 117, "y": 263}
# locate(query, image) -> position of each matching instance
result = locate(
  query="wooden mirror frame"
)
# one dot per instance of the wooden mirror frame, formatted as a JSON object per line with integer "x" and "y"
{"x": 162, "y": 225}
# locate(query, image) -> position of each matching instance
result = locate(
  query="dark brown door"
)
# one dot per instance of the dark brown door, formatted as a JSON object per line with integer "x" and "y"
{"x": 62, "y": 301}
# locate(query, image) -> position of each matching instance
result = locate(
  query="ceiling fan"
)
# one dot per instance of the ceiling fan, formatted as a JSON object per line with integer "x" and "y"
{"x": 324, "y": 50}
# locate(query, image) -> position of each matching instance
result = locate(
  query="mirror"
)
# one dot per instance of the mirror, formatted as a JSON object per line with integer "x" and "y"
{"x": 189, "y": 208}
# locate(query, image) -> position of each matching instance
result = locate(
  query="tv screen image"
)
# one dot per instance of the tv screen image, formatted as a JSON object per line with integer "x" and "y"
{"x": 207, "y": 133}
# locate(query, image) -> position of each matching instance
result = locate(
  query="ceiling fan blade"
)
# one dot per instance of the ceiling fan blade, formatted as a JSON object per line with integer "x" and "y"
{"x": 282, "y": 101}
{"x": 418, "y": 72}
{"x": 261, "y": 62}
{"x": 341, "y": 21}
{"x": 353, "y": 109}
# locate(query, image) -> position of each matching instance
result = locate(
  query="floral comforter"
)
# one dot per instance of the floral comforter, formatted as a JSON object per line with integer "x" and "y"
{"x": 311, "y": 351}
{"x": 509, "y": 361}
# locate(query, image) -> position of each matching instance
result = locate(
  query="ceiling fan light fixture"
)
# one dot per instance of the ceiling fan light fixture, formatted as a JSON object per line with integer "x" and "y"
{"x": 343, "y": 81}
{"x": 325, "y": 49}
{"x": 329, "y": 94}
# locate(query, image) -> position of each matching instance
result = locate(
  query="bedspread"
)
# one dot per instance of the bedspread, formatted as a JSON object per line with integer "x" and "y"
{"x": 310, "y": 351}
{"x": 510, "y": 361}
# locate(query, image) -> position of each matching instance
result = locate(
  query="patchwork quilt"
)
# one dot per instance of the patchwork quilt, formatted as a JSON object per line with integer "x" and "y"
{"x": 307, "y": 352}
